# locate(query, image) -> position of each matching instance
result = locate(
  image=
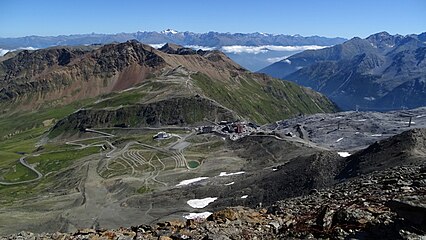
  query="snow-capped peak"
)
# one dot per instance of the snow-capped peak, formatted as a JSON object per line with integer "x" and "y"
{"x": 263, "y": 34}
{"x": 169, "y": 31}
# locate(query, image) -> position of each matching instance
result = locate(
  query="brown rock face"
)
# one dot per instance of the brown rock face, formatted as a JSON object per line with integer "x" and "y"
{"x": 71, "y": 74}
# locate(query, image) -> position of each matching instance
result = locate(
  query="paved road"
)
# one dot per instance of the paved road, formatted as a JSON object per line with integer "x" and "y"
{"x": 25, "y": 164}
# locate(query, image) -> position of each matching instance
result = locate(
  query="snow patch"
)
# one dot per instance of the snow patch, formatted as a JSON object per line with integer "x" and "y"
{"x": 201, "y": 203}
{"x": 244, "y": 197}
{"x": 169, "y": 31}
{"x": 340, "y": 139}
{"x": 287, "y": 61}
{"x": 224, "y": 174}
{"x": 370, "y": 98}
{"x": 3, "y": 52}
{"x": 276, "y": 59}
{"x": 376, "y": 135}
{"x": 344, "y": 154}
{"x": 361, "y": 120}
{"x": 202, "y": 215}
{"x": 228, "y": 184}
{"x": 189, "y": 181}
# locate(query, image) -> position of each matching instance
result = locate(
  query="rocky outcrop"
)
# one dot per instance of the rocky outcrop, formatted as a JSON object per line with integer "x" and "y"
{"x": 69, "y": 74}
{"x": 370, "y": 207}
{"x": 174, "y": 111}
{"x": 408, "y": 148}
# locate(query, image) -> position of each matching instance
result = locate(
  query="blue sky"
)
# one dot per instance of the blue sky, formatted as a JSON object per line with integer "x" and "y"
{"x": 306, "y": 17}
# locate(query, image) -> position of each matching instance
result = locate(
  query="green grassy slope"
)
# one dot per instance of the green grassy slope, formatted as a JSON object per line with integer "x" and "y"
{"x": 274, "y": 100}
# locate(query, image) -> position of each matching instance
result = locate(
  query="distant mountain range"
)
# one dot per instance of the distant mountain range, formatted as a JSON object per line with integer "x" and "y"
{"x": 382, "y": 72}
{"x": 210, "y": 39}
{"x": 251, "y": 50}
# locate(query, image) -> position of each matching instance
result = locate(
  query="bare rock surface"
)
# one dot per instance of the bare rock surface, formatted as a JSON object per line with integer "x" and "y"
{"x": 369, "y": 207}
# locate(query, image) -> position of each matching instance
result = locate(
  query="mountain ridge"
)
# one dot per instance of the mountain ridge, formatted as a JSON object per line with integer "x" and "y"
{"x": 375, "y": 73}
{"x": 128, "y": 71}
{"x": 209, "y": 39}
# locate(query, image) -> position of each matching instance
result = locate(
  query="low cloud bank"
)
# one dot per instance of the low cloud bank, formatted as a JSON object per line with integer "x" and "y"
{"x": 237, "y": 49}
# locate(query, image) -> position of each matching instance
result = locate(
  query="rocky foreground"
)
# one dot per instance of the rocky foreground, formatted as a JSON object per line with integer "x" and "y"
{"x": 389, "y": 204}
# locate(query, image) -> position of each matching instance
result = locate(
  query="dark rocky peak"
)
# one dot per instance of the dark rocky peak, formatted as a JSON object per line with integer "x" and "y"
{"x": 408, "y": 140}
{"x": 124, "y": 54}
{"x": 410, "y": 42}
{"x": 214, "y": 55}
{"x": 347, "y": 50}
{"x": 380, "y": 36}
{"x": 384, "y": 41}
{"x": 407, "y": 148}
{"x": 28, "y": 63}
{"x": 420, "y": 55}
{"x": 422, "y": 37}
{"x": 172, "y": 48}
{"x": 52, "y": 56}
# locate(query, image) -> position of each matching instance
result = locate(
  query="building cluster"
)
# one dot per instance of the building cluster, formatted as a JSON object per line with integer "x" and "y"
{"x": 161, "y": 136}
{"x": 234, "y": 130}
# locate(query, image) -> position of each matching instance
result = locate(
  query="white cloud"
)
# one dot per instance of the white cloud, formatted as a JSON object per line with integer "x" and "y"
{"x": 196, "y": 47}
{"x": 276, "y": 59}
{"x": 4, "y": 51}
{"x": 237, "y": 49}
{"x": 204, "y": 48}
{"x": 156, "y": 45}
